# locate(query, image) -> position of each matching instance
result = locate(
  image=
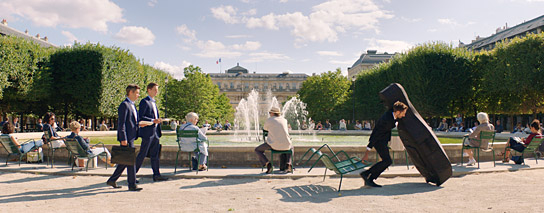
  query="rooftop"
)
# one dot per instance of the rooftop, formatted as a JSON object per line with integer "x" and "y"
{"x": 6, "y": 30}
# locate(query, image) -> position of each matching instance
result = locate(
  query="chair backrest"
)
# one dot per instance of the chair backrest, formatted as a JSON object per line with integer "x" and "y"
{"x": 47, "y": 136}
{"x": 488, "y": 136}
{"x": 8, "y": 144}
{"x": 74, "y": 147}
{"x": 535, "y": 143}
{"x": 327, "y": 161}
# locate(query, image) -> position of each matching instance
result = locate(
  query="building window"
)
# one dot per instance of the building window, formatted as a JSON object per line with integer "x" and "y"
{"x": 294, "y": 86}
{"x": 247, "y": 85}
{"x": 275, "y": 86}
{"x": 219, "y": 85}
{"x": 281, "y": 86}
{"x": 287, "y": 86}
{"x": 256, "y": 86}
{"x": 265, "y": 86}
{"x": 231, "y": 85}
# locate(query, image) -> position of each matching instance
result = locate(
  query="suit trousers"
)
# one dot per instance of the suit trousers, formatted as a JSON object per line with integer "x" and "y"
{"x": 379, "y": 167}
{"x": 131, "y": 172}
{"x": 150, "y": 145}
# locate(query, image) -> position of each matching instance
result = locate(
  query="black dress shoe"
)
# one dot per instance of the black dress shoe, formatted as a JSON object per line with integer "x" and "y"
{"x": 371, "y": 183}
{"x": 134, "y": 189}
{"x": 159, "y": 178}
{"x": 137, "y": 181}
{"x": 365, "y": 175}
{"x": 113, "y": 184}
{"x": 269, "y": 168}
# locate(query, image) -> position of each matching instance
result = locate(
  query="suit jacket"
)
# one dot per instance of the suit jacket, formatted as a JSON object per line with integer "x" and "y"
{"x": 382, "y": 131}
{"x": 147, "y": 114}
{"x": 127, "y": 127}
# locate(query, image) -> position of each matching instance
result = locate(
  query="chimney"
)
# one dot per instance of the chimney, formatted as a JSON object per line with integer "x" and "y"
{"x": 26, "y": 31}
{"x": 4, "y": 22}
{"x": 237, "y": 64}
{"x": 38, "y": 35}
{"x": 371, "y": 51}
{"x": 45, "y": 38}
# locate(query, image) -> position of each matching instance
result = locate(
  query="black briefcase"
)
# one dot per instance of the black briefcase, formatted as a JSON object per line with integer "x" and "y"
{"x": 123, "y": 155}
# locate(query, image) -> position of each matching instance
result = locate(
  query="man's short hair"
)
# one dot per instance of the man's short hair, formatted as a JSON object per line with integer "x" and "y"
{"x": 151, "y": 85}
{"x": 399, "y": 106}
{"x": 74, "y": 125}
{"x": 132, "y": 87}
{"x": 191, "y": 115}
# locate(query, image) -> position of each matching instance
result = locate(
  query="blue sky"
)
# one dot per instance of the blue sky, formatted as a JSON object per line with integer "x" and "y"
{"x": 267, "y": 36}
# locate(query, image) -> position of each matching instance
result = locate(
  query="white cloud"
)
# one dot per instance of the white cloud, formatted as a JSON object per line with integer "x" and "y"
{"x": 346, "y": 62}
{"x": 262, "y": 56}
{"x": 411, "y": 20}
{"x": 185, "y": 31}
{"x": 140, "y": 36}
{"x": 69, "y": 36}
{"x": 452, "y": 23}
{"x": 215, "y": 49}
{"x": 226, "y": 14}
{"x": 152, "y": 3}
{"x": 176, "y": 71}
{"x": 323, "y": 24}
{"x": 389, "y": 46}
{"x": 92, "y": 14}
{"x": 250, "y": 12}
{"x": 249, "y": 45}
{"x": 284, "y": 1}
{"x": 238, "y": 36}
{"x": 329, "y": 53}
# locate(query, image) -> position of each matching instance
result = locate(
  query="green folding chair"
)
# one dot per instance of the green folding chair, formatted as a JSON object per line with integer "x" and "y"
{"x": 272, "y": 152}
{"x": 13, "y": 149}
{"x": 484, "y": 135}
{"x": 531, "y": 147}
{"x": 78, "y": 152}
{"x": 190, "y": 135}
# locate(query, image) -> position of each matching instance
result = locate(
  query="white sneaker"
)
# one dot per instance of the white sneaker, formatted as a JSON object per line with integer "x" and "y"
{"x": 471, "y": 162}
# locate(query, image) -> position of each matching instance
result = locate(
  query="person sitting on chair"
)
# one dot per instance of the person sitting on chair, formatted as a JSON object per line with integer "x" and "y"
{"x": 519, "y": 144}
{"x": 75, "y": 127}
{"x": 278, "y": 139}
{"x": 55, "y": 139}
{"x": 192, "y": 120}
{"x": 8, "y": 129}
{"x": 473, "y": 137}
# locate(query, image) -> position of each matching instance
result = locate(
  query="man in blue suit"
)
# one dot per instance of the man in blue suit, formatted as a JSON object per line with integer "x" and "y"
{"x": 151, "y": 133}
{"x": 127, "y": 132}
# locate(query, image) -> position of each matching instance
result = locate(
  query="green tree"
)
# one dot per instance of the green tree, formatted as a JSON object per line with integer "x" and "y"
{"x": 325, "y": 95}
{"x": 197, "y": 93}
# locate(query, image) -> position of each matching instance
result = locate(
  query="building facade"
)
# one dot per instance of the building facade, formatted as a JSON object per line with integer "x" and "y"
{"x": 367, "y": 61}
{"x": 534, "y": 26}
{"x": 6, "y": 30}
{"x": 238, "y": 82}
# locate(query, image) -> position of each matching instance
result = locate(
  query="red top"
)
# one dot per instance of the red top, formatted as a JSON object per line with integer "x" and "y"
{"x": 530, "y": 138}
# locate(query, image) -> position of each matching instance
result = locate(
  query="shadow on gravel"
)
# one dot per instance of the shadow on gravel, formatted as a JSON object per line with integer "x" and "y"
{"x": 229, "y": 180}
{"x": 38, "y": 195}
{"x": 30, "y": 179}
{"x": 320, "y": 194}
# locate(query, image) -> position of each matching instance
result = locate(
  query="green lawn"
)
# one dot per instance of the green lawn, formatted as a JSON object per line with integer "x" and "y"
{"x": 225, "y": 140}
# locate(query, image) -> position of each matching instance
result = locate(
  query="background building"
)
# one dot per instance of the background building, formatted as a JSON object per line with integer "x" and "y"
{"x": 532, "y": 26}
{"x": 6, "y": 30}
{"x": 238, "y": 82}
{"x": 368, "y": 60}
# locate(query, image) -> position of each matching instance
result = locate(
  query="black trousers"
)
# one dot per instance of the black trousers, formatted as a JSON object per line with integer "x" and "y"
{"x": 377, "y": 169}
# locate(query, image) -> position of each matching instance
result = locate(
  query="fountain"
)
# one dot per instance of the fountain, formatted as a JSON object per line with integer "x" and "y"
{"x": 249, "y": 116}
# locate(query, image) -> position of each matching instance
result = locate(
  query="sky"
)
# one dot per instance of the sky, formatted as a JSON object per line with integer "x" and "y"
{"x": 266, "y": 36}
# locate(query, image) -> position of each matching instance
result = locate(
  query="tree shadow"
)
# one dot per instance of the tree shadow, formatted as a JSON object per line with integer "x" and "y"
{"x": 30, "y": 179}
{"x": 75, "y": 192}
{"x": 320, "y": 194}
{"x": 229, "y": 180}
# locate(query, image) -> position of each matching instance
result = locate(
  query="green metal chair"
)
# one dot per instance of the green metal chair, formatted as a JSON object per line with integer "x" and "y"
{"x": 12, "y": 149}
{"x": 314, "y": 152}
{"x": 189, "y": 134}
{"x": 272, "y": 152}
{"x": 78, "y": 152}
{"x": 531, "y": 147}
{"x": 484, "y": 135}
{"x": 51, "y": 155}
{"x": 340, "y": 167}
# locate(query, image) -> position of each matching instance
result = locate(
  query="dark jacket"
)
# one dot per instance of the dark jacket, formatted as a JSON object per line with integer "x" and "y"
{"x": 82, "y": 142}
{"x": 146, "y": 114}
{"x": 127, "y": 127}
{"x": 381, "y": 134}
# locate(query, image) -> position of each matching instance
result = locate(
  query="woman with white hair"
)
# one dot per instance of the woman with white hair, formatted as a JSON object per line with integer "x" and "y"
{"x": 473, "y": 138}
{"x": 190, "y": 145}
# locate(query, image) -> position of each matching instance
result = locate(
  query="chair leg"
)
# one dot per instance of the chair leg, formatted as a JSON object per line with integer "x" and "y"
{"x": 190, "y": 161}
{"x": 478, "y": 157}
{"x": 493, "y": 152}
{"x": 7, "y": 159}
{"x": 406, "y": 156}
{"x": 176, "y": 165}
{"x": 272, "y": 160}
{"x": 462, "y": 153}
{"x": 340, "y": 186}
{"x": 197, "y": 162}
{"x": 325, "y": 175}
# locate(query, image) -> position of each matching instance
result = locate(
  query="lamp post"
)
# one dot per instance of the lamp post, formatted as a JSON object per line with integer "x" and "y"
{"x": 165, "y": 96}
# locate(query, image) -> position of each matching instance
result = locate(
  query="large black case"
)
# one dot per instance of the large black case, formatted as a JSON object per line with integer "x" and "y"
{"x": 422, "y": 145}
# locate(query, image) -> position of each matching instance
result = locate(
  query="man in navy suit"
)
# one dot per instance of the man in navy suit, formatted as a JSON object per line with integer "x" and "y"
{"x": 127, "y": 132}
{"x": 380, "y": 136}
{"x": 150, "y": 134}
